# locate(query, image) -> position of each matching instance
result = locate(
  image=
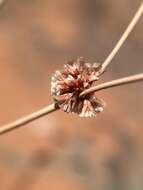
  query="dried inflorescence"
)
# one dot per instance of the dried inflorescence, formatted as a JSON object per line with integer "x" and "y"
{"x": 67, "y": 85}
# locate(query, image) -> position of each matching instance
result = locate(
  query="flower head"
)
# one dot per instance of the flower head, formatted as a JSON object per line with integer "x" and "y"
{"x": 67, "y": 85}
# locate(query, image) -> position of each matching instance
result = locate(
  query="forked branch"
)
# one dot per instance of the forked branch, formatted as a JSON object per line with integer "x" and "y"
{"x": 51, "y": 108}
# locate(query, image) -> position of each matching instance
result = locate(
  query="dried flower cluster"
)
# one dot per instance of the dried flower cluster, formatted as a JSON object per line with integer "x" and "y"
{"x": 67, "y": 85}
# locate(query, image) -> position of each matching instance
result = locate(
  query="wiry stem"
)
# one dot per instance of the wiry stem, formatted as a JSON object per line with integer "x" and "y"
{"x": 123, "y": 38}
{"x": 114, "y": 83}
{"x": 27, "y": 119}
{"x": 51, "y": 108}
{"x": 2, "y": 3}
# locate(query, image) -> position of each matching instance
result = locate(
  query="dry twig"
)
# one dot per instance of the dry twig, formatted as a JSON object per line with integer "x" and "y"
{"x": 123, "y": 37}
{"x": 114, "y": 83}
{"x": 27, "y": 119}
{"x": 51, "y": 108}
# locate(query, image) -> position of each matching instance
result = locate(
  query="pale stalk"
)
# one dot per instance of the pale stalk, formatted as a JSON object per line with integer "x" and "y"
{"x": 51, "y": 108}
{"x": 123, "y": 38}
{"x": 113, "y": 83}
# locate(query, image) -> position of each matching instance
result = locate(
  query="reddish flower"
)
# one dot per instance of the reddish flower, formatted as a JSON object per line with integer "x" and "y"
{"x": 67, "y": 84}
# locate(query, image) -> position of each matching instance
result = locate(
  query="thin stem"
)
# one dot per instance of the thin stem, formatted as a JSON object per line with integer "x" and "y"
{"x": 51, "y": 108}
{"x": 27, "y": 119}
{"x": 3, "y": 3}
{"x": 114, "y": 83}
{"x": 123, "y": 38}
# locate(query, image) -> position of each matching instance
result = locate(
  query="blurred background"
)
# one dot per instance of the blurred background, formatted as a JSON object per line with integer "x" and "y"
{"x": 62, "y": 151}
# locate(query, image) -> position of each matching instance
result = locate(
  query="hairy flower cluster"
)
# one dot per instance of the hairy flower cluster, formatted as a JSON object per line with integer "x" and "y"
{"x": 67, "y": 85}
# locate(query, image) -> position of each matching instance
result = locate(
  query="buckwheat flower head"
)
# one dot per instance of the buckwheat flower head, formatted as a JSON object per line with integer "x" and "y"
{"x": 67, "y": 84}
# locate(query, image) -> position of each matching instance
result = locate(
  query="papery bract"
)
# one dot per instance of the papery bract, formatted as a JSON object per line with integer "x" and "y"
{"x": 68, "y": 83}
